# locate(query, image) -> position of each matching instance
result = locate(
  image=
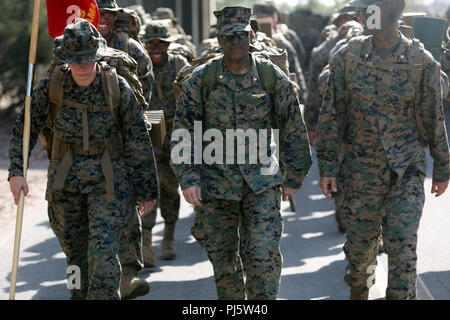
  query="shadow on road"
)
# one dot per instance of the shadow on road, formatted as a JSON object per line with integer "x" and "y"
{"x": 439, "y": 283}
{"x": 313, "y": 260}
{"x": 42, "y": 272}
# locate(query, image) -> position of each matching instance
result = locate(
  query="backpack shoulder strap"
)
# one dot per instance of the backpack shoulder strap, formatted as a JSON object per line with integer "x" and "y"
{"x": 417, "y": 56}
{"x": 56, "y": 92}
{"x": 209, "y": 77}
{"x": 111, "y": 89}
{"x": 268, "y": 78}
{"x": 267, "y": 75}
{"x": 178, "y": 64}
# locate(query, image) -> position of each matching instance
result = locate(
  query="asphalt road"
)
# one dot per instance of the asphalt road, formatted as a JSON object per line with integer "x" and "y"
{"x": 313, "y": 260}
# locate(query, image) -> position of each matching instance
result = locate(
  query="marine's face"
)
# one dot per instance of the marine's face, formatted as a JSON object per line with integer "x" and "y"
{"x": 82, "y": 73}
{"x": 235, "y": 45}
{"x": 107, "y": 20}
{"x": 157, "y": 50}
{"x": 388, "y": 16}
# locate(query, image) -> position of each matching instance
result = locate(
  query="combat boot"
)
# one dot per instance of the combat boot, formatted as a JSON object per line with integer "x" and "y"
{"x": 359, "y": 293}
{"x": 131, "y": 286}
{"x": 169, "y": 251}
{"x": 147, "y": 249}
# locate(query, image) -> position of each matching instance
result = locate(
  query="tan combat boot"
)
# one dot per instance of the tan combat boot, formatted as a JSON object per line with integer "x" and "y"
{"x": 131, "y": 286}
{"x": 169, "y": 252}
{"x": 359, "y": 293}
{"x": 147, "y": 249}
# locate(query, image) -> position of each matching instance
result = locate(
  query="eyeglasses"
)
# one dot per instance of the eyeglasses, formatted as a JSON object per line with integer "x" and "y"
{"x": 240, "y": 35}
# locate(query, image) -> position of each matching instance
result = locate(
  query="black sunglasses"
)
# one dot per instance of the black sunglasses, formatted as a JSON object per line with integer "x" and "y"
{"x": 241, "y": 35}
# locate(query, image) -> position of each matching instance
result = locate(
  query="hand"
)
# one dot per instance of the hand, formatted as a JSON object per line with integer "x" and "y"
{"x": 145, "y": 207}
{"x": 439, "y": 187}
{"x": 193, "y": 196}
{"x": 328, "y": 185}
{"x": 16, "y": 184}
{"x": 287, "y": 192}
{"x": 312, "y": 138}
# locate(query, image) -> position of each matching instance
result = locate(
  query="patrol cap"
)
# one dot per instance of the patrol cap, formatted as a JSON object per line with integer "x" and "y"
{"x": 157, "y": 30}
{"x": 264, "y": 9}
{"x": 80, "y": 44}
{"x": 109, "y": 5}
{"x": 231, "y": 19}
{"x": 163, "y": 13}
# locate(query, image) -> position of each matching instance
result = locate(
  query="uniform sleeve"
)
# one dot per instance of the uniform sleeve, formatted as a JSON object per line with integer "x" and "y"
{"x": 39, "y": 114}
{"x": 138, "y": 147}
{"x": 314, "y": 100}
{"x": 295, "y": 154}
{"x": 144, "y": 68}
{"x": 189, "y": 109}
{"x": 331, "y": 120}
{"x": 433, "y": 120}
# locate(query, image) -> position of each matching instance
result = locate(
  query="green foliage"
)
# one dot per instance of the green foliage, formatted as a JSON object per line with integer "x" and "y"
{"x": 15, "y": 31}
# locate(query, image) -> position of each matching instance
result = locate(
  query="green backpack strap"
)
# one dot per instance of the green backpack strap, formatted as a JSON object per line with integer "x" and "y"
{"x": 267, "y": 76}
{"x": 416, "y": 76}
{"x": 209, "y": 77}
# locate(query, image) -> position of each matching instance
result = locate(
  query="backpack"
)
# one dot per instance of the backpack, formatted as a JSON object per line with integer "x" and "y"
{"x": 128, "y": 22}
{"x": 114, "y": 62}
{"x": 280, "y": 60}
{"x": 414, "y": 67}
{"x": 266, "y": 72}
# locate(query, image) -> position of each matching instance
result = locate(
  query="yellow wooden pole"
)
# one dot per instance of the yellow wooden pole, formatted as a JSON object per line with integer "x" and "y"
{"x": 26, "y": 145}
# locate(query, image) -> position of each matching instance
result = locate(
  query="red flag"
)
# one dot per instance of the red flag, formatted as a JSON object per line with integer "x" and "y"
{"x": 60, "y": 13}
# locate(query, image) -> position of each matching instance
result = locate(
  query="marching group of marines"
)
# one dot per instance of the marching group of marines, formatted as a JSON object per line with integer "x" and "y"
{"x": 373, "y": 102}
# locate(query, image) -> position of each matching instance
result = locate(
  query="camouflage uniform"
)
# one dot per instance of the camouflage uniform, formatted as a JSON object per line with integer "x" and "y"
{"x": 84, "y": 218}
{"x": 269, "y": 10}
{"x": 384, "y": 161}
{"x": 163, "y": 98}
{"x": 235, "y": 192}
{"x": 131, "y": 243}
{"x": 320, "y": 56}
{"x": 121, "y": 41}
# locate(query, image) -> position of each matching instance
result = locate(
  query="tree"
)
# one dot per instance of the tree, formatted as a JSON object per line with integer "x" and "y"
{"x": 15, "y": 31}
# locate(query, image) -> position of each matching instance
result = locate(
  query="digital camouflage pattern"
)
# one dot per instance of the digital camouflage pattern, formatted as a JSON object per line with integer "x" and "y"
{"x": 294, "y": 63}
{"x": 232, "y": 19}
{"x": 384, "y": 161}
{"x": 156, "y": 30}
{"x": 79, "y": 35}
{"x": 319, "y": 59}
{"x": 164, "y": 99}
{"x": 121, "y": 41}
{"x": 294, "y": 39}
{"x": 445, "y": 66}
{"x": 258, "y": 251}
{"x": 109, "y": 5}
{"x": 243, "y": 105}
{"x": 85, "y": 183}
{"x": 399, "y": 211}
{"x": 231, "y": 192}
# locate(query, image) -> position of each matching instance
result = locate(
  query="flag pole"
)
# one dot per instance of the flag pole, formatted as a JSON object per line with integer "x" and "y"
{"x": 25, "y": 145}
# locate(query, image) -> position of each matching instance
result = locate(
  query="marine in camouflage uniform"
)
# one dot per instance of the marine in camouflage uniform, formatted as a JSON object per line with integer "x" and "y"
{"x": 85, "y": 214}
{"x": 263, "y": 10}
{"x": 166, "y": 67}
{"x": 239, "y": 193}
{"x": 120, "y": 40}
{"x": 369, "y": 111}
{"x": 319, "y": 59}
{"x": 131, "y": 245}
